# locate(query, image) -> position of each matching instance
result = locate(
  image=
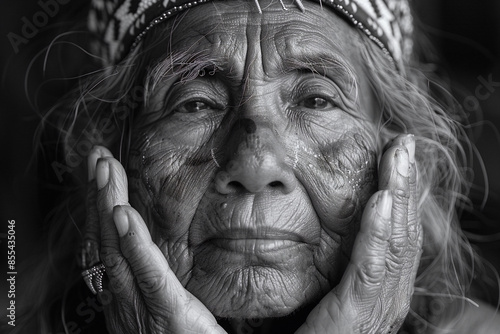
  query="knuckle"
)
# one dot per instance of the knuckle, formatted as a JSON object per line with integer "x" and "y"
{"x": 377, "y": 242}
{"x": 399, "y": 246}
{"x": 413, "y": 233}
{"x": 380, "y": 235}
{"x": 401, "y": 195}
{"x": 109, "y": 256}
{"x": 370, "y": 272}
{"x": 400, "y": 215}
{"x": 394, "y": 266}
{"x": 113, "y": 262}
{"x": 152, "y": 283}
{"x": 413, "y": 251}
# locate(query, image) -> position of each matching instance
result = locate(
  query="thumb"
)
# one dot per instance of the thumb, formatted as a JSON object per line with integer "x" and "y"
{"x": 163, "y": 293}
{"x": 148, "y": 264}
{"x": 367, "y": 269}
{"x": 339, "y": 311}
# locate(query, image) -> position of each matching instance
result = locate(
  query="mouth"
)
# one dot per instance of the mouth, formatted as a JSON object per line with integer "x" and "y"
{"x": 256, "y": 229}
{"x": 254, "y": 246}
{"x": 256, "y": 241}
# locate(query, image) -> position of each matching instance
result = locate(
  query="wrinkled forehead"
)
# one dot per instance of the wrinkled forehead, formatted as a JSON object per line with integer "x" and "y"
{"x": 234, "y": 31}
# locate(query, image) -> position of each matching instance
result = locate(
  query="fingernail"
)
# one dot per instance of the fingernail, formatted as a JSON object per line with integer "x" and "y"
{"x": 402, "y": 163}
{"x": 120, "y": 218}
{"x": 384, "y": 207}
{"x": 102, "y": 171}
{"x": 409, "y": 143}
{"x": 96, "y": 153}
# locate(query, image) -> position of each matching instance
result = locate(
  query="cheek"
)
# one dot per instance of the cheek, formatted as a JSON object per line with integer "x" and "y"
{"x": 156, "y": 167}
{"x": 339, "y": 173}
{"x": 167, "y": 181}
{"x": 339, "y": 178}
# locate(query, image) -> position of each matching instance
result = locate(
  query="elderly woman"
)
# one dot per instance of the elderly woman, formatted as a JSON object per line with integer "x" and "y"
{"x": 265, "y": 167}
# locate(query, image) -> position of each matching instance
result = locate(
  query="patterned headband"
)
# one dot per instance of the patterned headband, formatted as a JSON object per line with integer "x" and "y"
{"x": 121, "y": 24}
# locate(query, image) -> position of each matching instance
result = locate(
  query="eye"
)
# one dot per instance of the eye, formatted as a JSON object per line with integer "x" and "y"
{"x": 191, "y": 107}
{"x": 316, "y": 103}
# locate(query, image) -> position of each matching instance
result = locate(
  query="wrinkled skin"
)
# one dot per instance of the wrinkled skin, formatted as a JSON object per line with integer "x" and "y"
{"x": 288, "y": 160}
{"x": 252, "y": 181}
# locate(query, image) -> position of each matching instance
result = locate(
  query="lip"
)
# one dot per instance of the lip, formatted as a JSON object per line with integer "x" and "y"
{"x": 256, "y": 241}
{"x": 254, "y": 246}
{"x": 258, "y": 233}
{"x": 255, "y": 224}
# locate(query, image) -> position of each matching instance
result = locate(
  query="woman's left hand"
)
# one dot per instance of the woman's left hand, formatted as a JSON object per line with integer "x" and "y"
{"x": 375, "y": 291}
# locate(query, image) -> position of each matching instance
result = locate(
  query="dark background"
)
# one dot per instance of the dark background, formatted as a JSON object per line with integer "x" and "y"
{"x": 466, "y": 34}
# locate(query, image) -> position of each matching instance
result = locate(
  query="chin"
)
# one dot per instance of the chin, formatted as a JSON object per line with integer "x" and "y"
{"x": 257, "y": 291}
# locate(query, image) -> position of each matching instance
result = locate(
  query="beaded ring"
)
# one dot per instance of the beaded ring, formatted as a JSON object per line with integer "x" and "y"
{"x": 93, "y": 277}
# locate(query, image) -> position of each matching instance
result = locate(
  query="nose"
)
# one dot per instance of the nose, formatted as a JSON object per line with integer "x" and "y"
{"x": 256, "y": 162}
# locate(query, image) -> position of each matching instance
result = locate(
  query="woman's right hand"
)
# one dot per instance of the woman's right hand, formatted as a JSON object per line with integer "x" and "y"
{"x": 143, "y": 294}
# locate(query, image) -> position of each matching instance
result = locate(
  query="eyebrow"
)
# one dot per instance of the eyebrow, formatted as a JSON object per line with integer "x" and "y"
{"x": 184, "y": 65}
{"x": 324, "y": 64}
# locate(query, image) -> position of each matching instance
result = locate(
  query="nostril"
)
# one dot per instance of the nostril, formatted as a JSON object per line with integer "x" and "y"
{"x": 276, "y": 184}
{"x": 235, "y": 185}
{"x": 242, "y": 183}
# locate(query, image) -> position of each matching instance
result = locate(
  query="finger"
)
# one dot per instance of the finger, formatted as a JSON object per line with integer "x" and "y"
{"x": 413, "y": 224}
{"x": 92, "y": 233}
{"x": 356, "y": 299}
{"x": 415, "y": 235}
{"x": 407, "y": 249}
{"x": 95, "y": 154}
{"x": 393, "y": 176}
{"x": 148, "y": 264}
{"x": 161, "y": 290}
{"x": 111, "y": 191}
{"x": 367, "y": 268}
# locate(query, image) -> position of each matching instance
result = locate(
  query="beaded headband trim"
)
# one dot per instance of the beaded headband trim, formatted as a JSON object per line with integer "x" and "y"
{"x": 121, "y": 24}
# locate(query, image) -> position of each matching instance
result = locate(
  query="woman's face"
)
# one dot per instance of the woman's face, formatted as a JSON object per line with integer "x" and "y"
{"x": 254, "y": 159}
